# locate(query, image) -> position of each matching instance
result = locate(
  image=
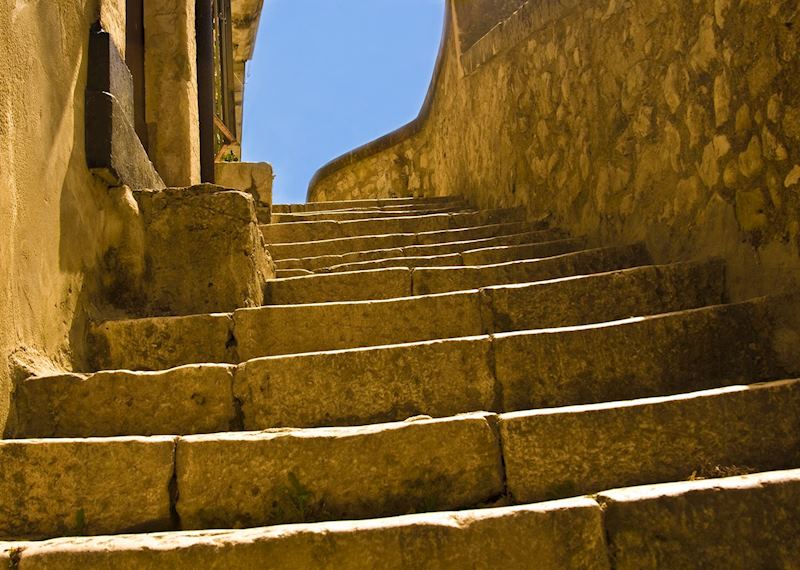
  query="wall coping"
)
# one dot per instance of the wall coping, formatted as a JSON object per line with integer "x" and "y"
{"x": 530, "y": 18}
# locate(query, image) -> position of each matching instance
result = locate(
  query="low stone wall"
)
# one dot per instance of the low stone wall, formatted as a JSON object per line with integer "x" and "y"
{"x": 673, "y": 123}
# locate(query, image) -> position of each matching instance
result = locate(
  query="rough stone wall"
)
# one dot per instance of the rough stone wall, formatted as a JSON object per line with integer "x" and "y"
{"x": 53, "y": 229}
{"x": 475, "y": 19}
{"x": 676, "y": 123}
{"x": 390, "y": 174}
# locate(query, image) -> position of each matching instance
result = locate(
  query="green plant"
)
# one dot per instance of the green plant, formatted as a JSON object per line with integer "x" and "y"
{"x": 298, "y": 500}
{"x": 230, "y": 157}
{"x": 80, "y": 522}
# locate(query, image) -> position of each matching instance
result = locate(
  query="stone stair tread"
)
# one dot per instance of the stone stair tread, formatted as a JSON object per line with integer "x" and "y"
{"x": 286, "y": 273}
{"x": 229, "y": 480}
{"x": 321, "y": 262}
{"x": 484, "y": 256}
{"x": 289, "y": 232}
{"x": 367, "y": 214}
{"x": 578, "y": 450}
{"x": 159, "y": 342}
{"x": 674, "y": 523}
{"x": 340, "y": 246}
{"x": 368, "y": 202}
{"x": 329, "y": 385}
{"x": 393, "y": 281}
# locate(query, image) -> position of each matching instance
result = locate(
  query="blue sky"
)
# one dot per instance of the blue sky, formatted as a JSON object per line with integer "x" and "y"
{"x": 331, "y": 75}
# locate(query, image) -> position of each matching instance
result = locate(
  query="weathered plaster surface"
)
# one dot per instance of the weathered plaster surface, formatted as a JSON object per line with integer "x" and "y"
{"x": 672, "y": 122}
{"x": 52, "y": 226}
{"x": 173, "y": 124}
{"x": 112, "y": 17}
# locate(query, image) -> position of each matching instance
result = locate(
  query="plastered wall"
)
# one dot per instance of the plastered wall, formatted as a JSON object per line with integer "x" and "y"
{"x": 55, "y": 220}
{"x": 676, "y": 123}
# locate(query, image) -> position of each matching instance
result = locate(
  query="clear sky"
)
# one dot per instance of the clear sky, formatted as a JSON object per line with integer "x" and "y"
{"x": 331, "y": 75}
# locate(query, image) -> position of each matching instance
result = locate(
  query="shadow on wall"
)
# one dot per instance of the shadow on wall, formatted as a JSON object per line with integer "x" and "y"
{"x": 53, "y": 212}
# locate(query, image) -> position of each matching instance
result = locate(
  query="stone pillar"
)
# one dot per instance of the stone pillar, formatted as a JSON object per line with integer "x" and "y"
{"x": 173, "y": 125}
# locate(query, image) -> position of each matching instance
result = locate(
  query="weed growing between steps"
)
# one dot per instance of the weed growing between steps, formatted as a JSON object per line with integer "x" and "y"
{"x": 708, "y": 470}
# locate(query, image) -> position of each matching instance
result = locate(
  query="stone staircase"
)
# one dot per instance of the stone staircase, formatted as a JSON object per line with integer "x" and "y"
{"x": 426, "y": 386}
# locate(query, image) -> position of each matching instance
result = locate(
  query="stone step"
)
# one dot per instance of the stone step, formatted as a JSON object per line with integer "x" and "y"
{"x": 562, "y": 452}
{"x": 393, "y": 382}
{"x": 342, "y": 246}
{"x": 76, "y": 487}
{"x": 553, "y": 536}
{"x": 322, "y": 262}
{"x": 326, "y": 230}
{"x": 365, "y": 203}
{"x": 396, "y": 282}
{"x": 330, "y": 388}
{"x": 485, "y": 256}
{"x": 286, "y": 273}
{"x": 715, "y": 523}
{"x": 250, "y": 479}
{"x": 116, "y": 485}
{"x": 441, "y": 279}
{"x": 164, "y": 342}
{"x": 368, "y": 214}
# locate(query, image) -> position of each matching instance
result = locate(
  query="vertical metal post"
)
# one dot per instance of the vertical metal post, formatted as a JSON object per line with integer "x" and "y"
{"x": 226, "y": 62}
{"x": 204, "y": 27}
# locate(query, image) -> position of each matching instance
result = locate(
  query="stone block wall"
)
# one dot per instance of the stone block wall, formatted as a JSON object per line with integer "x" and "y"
{"x": 676, "y": 123}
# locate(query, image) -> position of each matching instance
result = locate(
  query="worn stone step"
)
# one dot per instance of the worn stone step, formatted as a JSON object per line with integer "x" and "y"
{"x": 326, "y": 230}
{"x": 486, "y": 256}
{"x": 735, "y": 522}
{"x": 368, "y": 214}
{"x": 185, "y": 400}
{"x": 648, "y": 356}
{"x": 322, "y": 262}
{"x": 505, "y": 253}
{"x": 552, "y": 536}
{"x": 254, "y": 479}
{"x": 283, "y": 330}
{"x": 395, "y": 282}
{"x": 286, "y": 273}
{"x": 447, "y": 377}
{"x": 440, "y": 279}
{"x": 365, "y": 203}
{"x": 562, "y": 452}
{"x": 342, "y": 246}
{"x": 393, "y": 382}
{"x": 750, "y": 521}
{"x": 52, "y": 488}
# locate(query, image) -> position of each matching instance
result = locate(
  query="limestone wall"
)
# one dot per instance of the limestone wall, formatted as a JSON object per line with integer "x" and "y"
{"x": 475, "y": 19}
{"x": 676, "y": 123}
{"x": 53, "y": 228}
